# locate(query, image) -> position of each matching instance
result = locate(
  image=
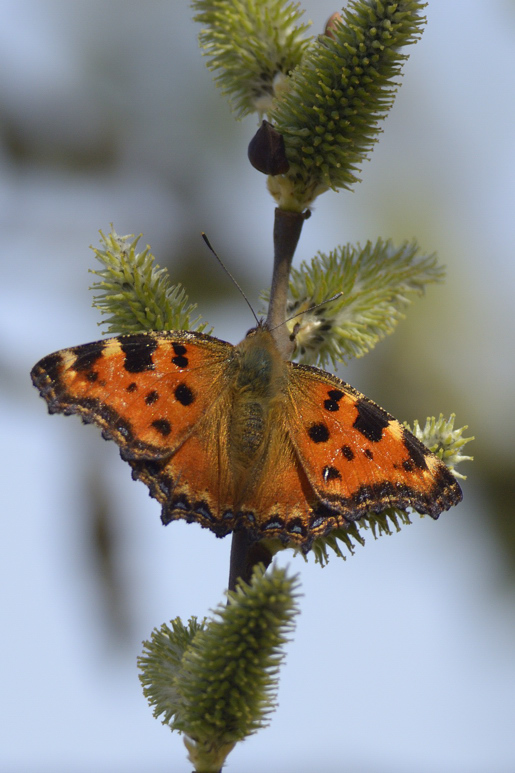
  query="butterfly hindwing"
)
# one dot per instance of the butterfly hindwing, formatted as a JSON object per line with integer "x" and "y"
{"x": 193, "y": 483}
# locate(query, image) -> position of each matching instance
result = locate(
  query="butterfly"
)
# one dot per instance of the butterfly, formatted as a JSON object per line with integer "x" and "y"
{"x": 237, "y": 437}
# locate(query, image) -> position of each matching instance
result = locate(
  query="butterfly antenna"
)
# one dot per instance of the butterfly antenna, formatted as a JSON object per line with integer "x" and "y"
{"x": 311, "y": 308}
{"x": 230, "y": 276}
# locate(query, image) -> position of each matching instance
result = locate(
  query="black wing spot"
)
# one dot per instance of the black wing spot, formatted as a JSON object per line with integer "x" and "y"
{"x": 184, "y": 394}
{"x": 133, "y": 387}
{"x": 152, "y": 397}
{"x": 330, "y": 473}
{"x": 180, "y": 360}
{"x": 138, "y": 349}
{"x": 318, "y": 433}
{"x": 334, "y": 397}
{"x": 163, "y": 426}
{"x": 86, "y": 356}
{"x": 371, "y": 420}
{"x": 368, "y": 453}
{"x": 348, "y": 453}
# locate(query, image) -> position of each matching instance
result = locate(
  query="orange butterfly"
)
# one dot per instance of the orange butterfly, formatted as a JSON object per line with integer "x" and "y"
{"x": 235, "y": 436}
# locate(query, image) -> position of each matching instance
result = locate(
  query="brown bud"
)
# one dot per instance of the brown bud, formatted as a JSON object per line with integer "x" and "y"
{"x": 331, "y": 23}
{"x": 266, "y": 151}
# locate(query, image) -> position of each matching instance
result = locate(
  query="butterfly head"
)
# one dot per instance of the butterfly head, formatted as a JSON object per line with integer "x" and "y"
{"x": 258, "y": 328}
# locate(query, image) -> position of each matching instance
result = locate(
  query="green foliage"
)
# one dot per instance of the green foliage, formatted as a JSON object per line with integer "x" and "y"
{"x": 443, "y": 440}
{"x": 216, "y": 682}
{"x": 344, "y": 86}
{"x": 252, "y": 45}
{"x": 160, "y": 666}
{"x": 136, "y": 293}
{"x": 325, "y": 95}
{"x": 378, "y": 524}
{"x": 375, "y": 283}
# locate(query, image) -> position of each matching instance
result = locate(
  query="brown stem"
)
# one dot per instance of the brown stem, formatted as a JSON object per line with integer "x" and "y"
{"x": 287, "y": 230}
{"x": 245, "y": 554}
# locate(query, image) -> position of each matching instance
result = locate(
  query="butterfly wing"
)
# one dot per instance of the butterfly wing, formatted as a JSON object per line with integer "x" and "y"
{"x": 165, "y": 399}
{"x": 356, "y": 456}
{"x": 146, "y": 391}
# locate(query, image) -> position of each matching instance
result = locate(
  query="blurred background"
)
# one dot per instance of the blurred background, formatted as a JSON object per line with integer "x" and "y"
{"x": 403, "y": 657}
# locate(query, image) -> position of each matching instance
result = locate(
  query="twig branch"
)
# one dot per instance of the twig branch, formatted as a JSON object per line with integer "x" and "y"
{"x": 287, "y": 230}
{"x": 245, "y": 554}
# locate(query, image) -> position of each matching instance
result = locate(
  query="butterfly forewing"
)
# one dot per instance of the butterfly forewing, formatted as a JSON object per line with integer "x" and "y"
{"x": 147, "y": 391}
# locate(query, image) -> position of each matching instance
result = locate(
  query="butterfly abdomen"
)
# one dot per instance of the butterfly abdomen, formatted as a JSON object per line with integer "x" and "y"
{"x": 261, "y": 372}
{"x": 247, "y": 431}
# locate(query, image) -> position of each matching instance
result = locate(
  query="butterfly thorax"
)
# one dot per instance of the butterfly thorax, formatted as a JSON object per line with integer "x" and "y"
{"x": 259, "y": 388}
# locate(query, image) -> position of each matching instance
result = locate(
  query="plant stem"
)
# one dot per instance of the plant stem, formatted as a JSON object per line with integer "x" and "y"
{"x": 245, "y": 554}
{"x": 287, "y": 229}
